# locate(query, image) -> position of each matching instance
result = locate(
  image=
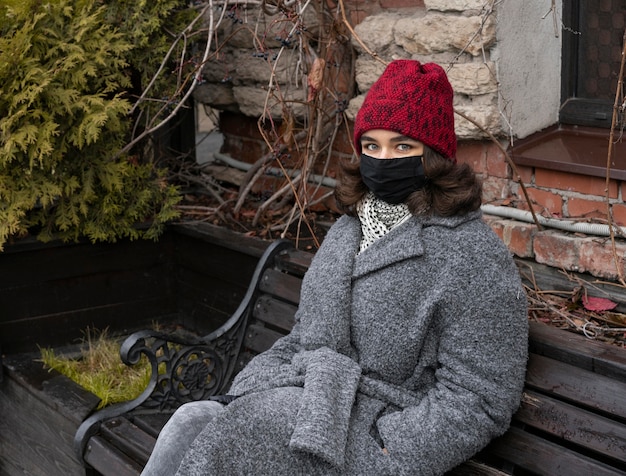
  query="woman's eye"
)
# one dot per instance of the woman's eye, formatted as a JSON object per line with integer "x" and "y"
{"x": 404, "y": 147}
{"x": 369, "y": 146}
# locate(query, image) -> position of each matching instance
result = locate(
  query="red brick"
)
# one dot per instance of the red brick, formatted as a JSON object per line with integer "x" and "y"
{"x": 518, "y": 200}
{"x": 472, "y": 153}
{"x": 546, "y": 201}
{"x": 619, "y": 213}
{"x": 343, "y": 141}
{"x": 574, "y": 182}
{"x": 557, "y": 249}
{"x": 526, "y": 174}
{"x": 598, "y": 259}
{"x": 325, "y": 204}
{"x": 583, "y": 208}
{"x": 496, "y": 225}
{"x": 497, "y": 165}
{"x": 239, "y": 125}
{"x": 495, "y": 189}
{"x": 519, "y": 237}
{"x": 245, "y": 150}
{"x": 358, "y": 10}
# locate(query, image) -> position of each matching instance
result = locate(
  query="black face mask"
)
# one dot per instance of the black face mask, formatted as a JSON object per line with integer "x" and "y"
{"x": 393, "y": 180}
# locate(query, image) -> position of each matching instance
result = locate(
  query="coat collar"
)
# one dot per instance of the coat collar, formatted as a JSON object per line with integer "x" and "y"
{"x": 401, "y": 243}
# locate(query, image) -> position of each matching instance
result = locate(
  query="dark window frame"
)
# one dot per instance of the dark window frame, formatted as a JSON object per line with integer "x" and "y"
{"x": 575, "y": 109}
{"x": 578, "y": 143}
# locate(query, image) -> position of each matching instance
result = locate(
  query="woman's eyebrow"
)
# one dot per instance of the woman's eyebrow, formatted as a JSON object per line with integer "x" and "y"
{"x": 394, "y": 139}
{"x": 402, "y": 138}
{"x": 398, "y": 138}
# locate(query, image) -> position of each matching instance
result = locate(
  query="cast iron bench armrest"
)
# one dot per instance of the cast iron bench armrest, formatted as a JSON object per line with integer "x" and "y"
{"x": 183, "y": 368}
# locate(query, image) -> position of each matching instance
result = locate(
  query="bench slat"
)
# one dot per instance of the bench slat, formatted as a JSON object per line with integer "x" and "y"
{"x": 275, "y": 313}
{"x": 258, "y": 338}
{"x": 475, "y": 468}
{"x": 578, "y": 350}
{"x": 151, "y": 423}
{"x": 294, "y": 261}
{"x": 101, "y": 455}
{"x": 577, "y": 385}
{"x": 573, "y": 424}
{"x": 282, "y": 285}
{"x": 541, "y": 456}
{"x": 128, "y": 438}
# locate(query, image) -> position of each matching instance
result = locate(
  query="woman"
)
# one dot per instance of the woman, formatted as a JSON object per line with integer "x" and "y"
{"x": 410, "y": 344}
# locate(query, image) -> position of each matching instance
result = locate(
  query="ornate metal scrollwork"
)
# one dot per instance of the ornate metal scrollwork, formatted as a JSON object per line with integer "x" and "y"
{"x": 182, "y": 371}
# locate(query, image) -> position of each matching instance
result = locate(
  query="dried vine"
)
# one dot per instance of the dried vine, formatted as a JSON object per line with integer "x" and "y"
{"x": 618, "y": 109}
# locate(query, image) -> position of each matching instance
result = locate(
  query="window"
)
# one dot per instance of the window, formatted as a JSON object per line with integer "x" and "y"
{"x": 592, "y": 50}
{"x": 591, "y": 55}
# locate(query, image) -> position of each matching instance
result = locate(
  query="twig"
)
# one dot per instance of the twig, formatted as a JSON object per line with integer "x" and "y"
{"x": 196, "y": 79}
{"x": 609, "y": 159}
{"x": 518, "y": 177}
{"x": 347, "y": 24}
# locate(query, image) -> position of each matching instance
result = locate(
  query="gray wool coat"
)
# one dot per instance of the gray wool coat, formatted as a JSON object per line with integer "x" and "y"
{"x": 406, "y": 359}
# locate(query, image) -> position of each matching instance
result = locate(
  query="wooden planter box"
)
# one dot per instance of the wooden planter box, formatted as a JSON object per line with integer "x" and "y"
{"x": 194, "y": 278}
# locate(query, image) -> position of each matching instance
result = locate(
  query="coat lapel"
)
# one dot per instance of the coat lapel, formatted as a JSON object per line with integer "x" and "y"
{"x": 399, "y": 244}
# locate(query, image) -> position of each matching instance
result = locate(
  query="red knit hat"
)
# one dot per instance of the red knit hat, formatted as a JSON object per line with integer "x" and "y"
{"x": 413, "y": 99}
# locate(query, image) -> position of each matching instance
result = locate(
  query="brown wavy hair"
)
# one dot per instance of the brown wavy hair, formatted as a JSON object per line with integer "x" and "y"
{"x": 452, "y": 189}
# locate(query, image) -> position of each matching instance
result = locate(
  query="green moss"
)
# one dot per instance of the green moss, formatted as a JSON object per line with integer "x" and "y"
{"x": 100, "y": 369}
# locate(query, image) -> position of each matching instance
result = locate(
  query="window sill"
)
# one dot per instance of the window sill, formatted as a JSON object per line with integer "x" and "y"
{"x": 576, "y": 149}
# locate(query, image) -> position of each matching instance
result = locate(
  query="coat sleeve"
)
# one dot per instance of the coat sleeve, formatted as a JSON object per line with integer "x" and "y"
{"x": 479, "y": 376}
{"x": 272, "y": 368}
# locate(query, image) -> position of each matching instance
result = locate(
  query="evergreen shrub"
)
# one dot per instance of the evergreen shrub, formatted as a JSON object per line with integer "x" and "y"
{"x": 67, "y": 70}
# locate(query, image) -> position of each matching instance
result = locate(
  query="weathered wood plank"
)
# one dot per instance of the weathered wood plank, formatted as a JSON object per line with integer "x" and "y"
{"x": 125, "y": 286}
{"x": 475, "y": 468}
{"x": 576, "y": 385}
{"x": 84, "y": 292}
{"x": 258, "y": 339}
{"x": 100, "y": 454}
{"x": 151, "y": 423}
{"x": 282, "y": 285}
{"x": 294, "y": 262}
{"x": 575, "y": 425}
{"x": 53, "y": 262}
{"x": 128, "y": 438}
{"x": 275, "y": 313}
{"x": 50, "y": 387}
{"x": 546, "y": 458}
{"x": 547, "y": 278}
{"x": 224, "y": 237}
{"x": 578, "y": 350}
{"x": 39, "y": 414}
{"x": 60, "y": 329}
{"x": 228, "y": 265}
{"x": 206, "y": 301}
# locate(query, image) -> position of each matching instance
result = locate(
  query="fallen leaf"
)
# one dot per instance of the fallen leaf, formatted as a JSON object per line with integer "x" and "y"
{"x": 598, "y": 304}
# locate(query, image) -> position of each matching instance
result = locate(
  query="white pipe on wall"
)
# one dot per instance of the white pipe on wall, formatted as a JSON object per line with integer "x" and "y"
{"x": 566, "y": 225}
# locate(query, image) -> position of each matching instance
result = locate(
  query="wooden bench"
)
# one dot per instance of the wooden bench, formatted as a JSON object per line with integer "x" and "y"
{"x": 572, "y": 420}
